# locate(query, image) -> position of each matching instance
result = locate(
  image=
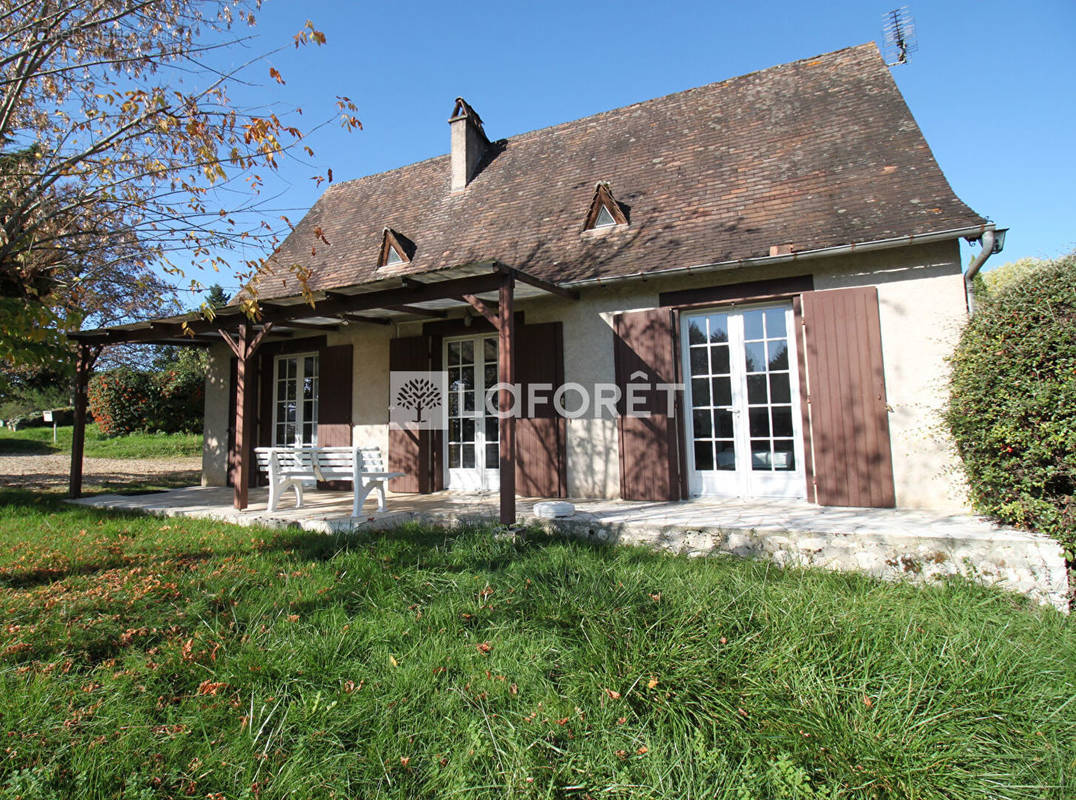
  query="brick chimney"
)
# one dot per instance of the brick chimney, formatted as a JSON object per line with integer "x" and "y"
{"x": 469, "y": 144}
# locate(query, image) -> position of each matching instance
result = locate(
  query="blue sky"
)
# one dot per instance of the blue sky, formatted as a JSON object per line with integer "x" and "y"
{"x": 992, "y": 85}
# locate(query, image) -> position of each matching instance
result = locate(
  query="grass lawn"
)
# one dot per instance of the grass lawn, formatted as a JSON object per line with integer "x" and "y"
{"x": 144, "y": 657}
{"x": 38, "y": 441}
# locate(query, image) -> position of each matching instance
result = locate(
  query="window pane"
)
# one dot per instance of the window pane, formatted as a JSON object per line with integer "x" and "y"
{"x": 724, "y": 423}
{"x": 467, "y": 352}
{"x": 702, "y": 424}
{"x": 778, "y": 355}
{"x": 726, "y": 456}
{"x": 760, "y": 455}
{"x": 782, "y": 421}
{"x": 779, "y": 389}
{"x": 491, "y": 374}
{"x": 704, "y": 455}
{"x": 760, "y": 421}
{"x": 468, "y": 401}
{"x": 756, "y": 389}
{"x": 775, "y": 323}
{"x": 453, "y": 404}
{"x": 752, "y": 324}
{"x": 454, "y": 456}
{"x": 784, "y": 457}
{"x": 453, "y": 353}
{"x": 699, "y": 365}
{"x": 467, "y": 451}
{"x": 700, "y": 392}
{"x": 722, "y": 391}
{"x": 719, "y": 359}
{"x": 489, "y": 349}
{"x": 695, "y": 331}
{"x": 492, "y": 459}
{"x": 719, "y": 328}
{"x": 467, "y": 434}
{"x": 755, "y": 355}
{"x": 454, "y": 430}
{"x": 491, "y": 429}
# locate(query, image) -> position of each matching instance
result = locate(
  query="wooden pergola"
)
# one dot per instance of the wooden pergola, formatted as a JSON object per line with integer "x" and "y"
{"x": 488, "y": 288}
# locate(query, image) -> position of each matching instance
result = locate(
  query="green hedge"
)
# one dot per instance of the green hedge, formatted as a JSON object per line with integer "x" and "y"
{"x": 1012, "y": 406}
{"x": 125, "y": 400}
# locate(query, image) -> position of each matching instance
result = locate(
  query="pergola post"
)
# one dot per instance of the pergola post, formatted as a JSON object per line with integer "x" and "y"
{"x": 506, "y": 374}
{"x": 244, "y": 347}
{"x": 85, "y": 358}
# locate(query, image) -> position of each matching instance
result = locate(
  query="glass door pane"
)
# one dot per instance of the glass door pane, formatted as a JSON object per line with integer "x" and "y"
{"x": 714, "y": 443}
{"x": 295, "y": 400}
{"x": 472, "y": 443}
{"x": 769, "y": 390}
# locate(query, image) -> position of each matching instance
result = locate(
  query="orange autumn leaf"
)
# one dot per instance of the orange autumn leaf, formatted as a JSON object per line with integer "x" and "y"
{"x": 483, "y": 647}
{"x": 650, "y": 684}
{"x": 613, "y": 694}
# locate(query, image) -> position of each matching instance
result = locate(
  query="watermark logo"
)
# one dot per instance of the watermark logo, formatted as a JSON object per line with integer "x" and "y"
{"x": 421, "y": 400}
{"x": 418, "y": 400}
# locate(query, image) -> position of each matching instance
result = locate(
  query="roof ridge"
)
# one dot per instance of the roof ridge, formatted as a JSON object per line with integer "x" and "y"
{"x": 619, "y": 109}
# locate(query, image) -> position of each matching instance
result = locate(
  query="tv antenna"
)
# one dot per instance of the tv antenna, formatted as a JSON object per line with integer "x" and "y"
{"x": 899, "y": 31}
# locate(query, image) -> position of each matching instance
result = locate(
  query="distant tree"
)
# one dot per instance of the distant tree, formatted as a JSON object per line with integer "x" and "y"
{"x": 216, "y": 297}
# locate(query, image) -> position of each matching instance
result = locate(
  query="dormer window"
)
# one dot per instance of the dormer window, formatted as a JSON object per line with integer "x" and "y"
{"x": 396, "y": 249}
{"x": 604, "y": 219}
{"x": 605, "y": 211}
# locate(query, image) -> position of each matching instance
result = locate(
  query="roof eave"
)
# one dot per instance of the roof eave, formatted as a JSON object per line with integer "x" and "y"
{"x": 970, "y": 232}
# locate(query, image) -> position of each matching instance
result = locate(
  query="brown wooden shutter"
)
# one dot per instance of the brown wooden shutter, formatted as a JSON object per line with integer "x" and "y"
{"x": 849, "y": 420}
{"x": 416, "y": 453}
{"x": 649, "y": 452}
{"x": 541, "y": 452}
{"x": 334, "y": 402}
{"x": 334, "y": 396}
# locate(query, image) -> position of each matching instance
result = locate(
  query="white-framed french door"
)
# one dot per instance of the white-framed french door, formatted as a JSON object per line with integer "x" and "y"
{"x": 295, "y": 400}
{"x": 472, "y": 439}
{"x": 743, "y": 428}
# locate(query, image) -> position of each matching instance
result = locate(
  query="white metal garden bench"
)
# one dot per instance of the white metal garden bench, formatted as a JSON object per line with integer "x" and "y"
{"x": 289, "y": 467}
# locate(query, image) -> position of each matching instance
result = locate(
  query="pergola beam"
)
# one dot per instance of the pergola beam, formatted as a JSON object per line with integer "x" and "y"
{"x": 85, "y": 358}
{"x": 421, "y": 312}
{"x": 243, "y": 346}
{"x": 309, "y": 326}
{"x": 538, "y": 283}
{"x": 506, "y": 375}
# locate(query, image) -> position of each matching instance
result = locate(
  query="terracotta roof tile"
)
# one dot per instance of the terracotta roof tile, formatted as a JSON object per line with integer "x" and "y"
{"x": 816, "y": 153}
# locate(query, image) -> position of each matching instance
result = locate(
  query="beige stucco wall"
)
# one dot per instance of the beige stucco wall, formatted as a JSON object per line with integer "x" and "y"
{"x": 920, "y": 293}
{"x": 215, "y": 442}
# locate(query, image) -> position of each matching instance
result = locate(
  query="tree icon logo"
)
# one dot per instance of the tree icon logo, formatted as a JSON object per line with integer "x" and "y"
{"x": 418, "y": 395}
{"x": 417, "y": 400}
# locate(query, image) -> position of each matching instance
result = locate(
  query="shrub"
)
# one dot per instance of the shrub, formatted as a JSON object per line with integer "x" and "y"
{"x": 1012, "y": 405}
{"x": 125, "y": 400}
{"x": 120, "y": 401}
{"x": 178, "y": 401}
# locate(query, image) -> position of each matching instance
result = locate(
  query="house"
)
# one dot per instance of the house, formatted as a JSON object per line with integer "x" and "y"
{"x": 782, "y": 244}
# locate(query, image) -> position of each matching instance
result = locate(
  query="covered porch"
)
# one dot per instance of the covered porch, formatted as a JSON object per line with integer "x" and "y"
{"x": 886, "y": 543}
{"x": 486, "y": 291}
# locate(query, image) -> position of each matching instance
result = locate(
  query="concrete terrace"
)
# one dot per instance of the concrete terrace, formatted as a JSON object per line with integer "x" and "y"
{"x": 886, "y": 543}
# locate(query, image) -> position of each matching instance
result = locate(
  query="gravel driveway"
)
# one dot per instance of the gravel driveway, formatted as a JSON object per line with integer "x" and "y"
{"x": 51, "y": 471}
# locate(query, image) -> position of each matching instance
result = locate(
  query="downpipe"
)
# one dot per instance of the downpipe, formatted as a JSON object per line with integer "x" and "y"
{"x": 987, "y": 240}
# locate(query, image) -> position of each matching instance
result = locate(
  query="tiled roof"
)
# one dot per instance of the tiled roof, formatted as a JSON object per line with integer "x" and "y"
{"x": 817, "y": 153}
